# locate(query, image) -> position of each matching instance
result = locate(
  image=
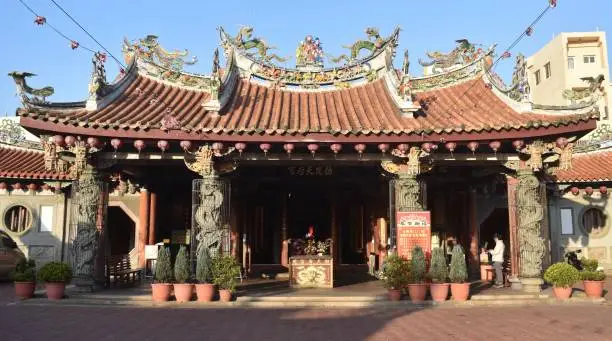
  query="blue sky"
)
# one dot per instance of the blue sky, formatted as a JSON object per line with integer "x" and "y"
{"x": 426, "y": 25}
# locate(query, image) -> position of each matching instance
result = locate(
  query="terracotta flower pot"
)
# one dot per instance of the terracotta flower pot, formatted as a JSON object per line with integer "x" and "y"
{"x": 161, "y": 291}
{"x": 394, "y": 294}
{"x": 439, "y": 291}
{"x": 183, "y": 292}
{"x": 55, "y": 291}
{"x": 562, "y": 293}
{"x": 460, "y": 291}
{"x": 24, "y": 290}
{"x": 205, "y": 292}
{"x": 486, "y": 275}
{"x": 417, "y": 292}
{"x": 225, "y": 295}
{"x": 594, "y": 289}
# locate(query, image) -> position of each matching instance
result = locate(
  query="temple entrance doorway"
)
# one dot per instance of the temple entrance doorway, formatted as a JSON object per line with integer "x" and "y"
{"x": 121, "y": 231}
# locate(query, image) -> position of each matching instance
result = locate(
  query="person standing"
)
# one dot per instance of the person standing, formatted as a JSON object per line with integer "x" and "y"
{"x": 497, "y": 257}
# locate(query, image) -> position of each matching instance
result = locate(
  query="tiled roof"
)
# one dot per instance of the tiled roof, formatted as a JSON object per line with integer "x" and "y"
{"x": 16, "y": 162}
{"x": 256, "y": 109}
{"x": 588, "y": 167}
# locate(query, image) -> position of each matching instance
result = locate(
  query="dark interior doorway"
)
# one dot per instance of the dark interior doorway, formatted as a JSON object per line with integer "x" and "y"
{"x": 496, "y": 222}
{"x": 121, "y": 231}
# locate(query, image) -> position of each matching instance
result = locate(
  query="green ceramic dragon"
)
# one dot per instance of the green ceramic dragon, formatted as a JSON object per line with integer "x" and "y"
{"x": 150, "y": 49}
{"x": 245, "y": 41}
{"x": 27, "y": 93}
{"x": 372, "y": 44}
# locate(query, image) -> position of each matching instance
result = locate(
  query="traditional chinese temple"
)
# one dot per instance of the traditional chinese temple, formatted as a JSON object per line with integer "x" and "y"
{"x": 250, "y": 156}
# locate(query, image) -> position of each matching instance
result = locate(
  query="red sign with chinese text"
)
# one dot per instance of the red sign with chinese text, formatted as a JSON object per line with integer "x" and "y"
{"x": 413, "y": 228}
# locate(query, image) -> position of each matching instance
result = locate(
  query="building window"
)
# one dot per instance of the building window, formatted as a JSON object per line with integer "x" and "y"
{"x": 537, "y": 77}
{"x": 547, "y": 70}
{"x": 570, "y": 62}
{"x": 18, "y": 219}
{"x": 594, "y": 222}
{"x": 589, "y": 59}
{"x": 46, "y": 219}
{"x": 567, "y": 221}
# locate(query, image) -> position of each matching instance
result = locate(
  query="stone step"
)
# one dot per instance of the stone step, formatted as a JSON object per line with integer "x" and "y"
{"x": 509, "y": 297}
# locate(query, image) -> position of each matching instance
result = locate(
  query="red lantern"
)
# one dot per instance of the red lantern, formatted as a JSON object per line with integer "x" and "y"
{"x": 529, "y": 31}
{"x": 163, "y": 145}
{"x": 240, "y": 146}
{"x": 265, "y": 147}
{"x": 45, "y": 187}
{"x": 518, "y": 144}
{"x": 58, "y": 140}
{"x": 561, "y": 142}
{"x": 289, "y": 147}
{"x": 603, "y": 189}
{"x": 40, "y": 20}
{"x": 313, "y": 147}
{"x": 403, "y": 148}
{"x": 589, "y": 190}
{"x": 495, "y": 145}
{"x": 17, "y": 186}
{"x": 116, "y": 144}
{"x": 2, "y": 185}
{"x": 336, "y": 147}
{"x": 32, "y": 187}
{"x": 139, "y": 145}
{"x": 473, "y": 146}
{"x": 217, "y": 147}
{"x": 575, "y": 190}
{"x": 185, "y": 144}
{"x": 450, "y": 146}
{"x": 434, "y": 146}
{"x": 360, "y": 148}
{"x": 383, "y": 147}
{"x": 74, "y": 44}
{"x": 93, "y": 142}
{"x": 69, "y": 140}
{"x": 427, "y": 147}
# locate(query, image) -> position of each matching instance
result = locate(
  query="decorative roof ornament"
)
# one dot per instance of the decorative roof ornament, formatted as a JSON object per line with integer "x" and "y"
{"x": 373, "y": 43}
{"x": 406, "y": 63}
{"x": 27, "y": 94}
{"x": 309, "y": 54}
{"x": 463, "y": 54}
{"x": 215, "y": 86}
{"x": 10, "y": 132}
{"x": 245, "y": 41}
{"x": 520, "y": 89}
{"x": 98, "y": 84}
{"x": 150, "y": 50}
{"x": 591, "y": 94}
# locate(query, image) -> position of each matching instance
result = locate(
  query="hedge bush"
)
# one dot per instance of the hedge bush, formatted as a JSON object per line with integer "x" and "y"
{"x": 438, "y": 271}
{"x": 55, "y": 272}
{"x": 163, "y": 269}
{"x": 417, "y": 265}
{"x": 182, "y": 271}
{"x": 561, "y": 275}
{"x": 395, "y": 272}
{"x": 458, "y": 267}
{"x": 25, "y": 271}
{"x": 203, "y": 266}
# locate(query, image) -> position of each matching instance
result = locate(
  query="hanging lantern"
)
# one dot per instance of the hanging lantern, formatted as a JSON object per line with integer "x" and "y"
{"x": 265, "y": 147}
{"x": 32, "y": 187}
{"x": 434, "y": 146}
{"x": 360, "y": 148}
{"x": 603, "y": 189}
{"x": 240, "y": 147}
{"x": 45, "y": 187}
{"x": 450, "y": 146}
{"x": 473, "y": 146}
{"x": 488, "y": 86}
{"x": 589, "y": 190}
{"x": 17, "y": 186}
{"x": 139, "y": 145}
{"x": 74, "y": 44}
{"x": 336, "y": 148}
{"x": 93, "y": 142}
{"x": 561, "y": 142}
{"x": 163, "y": 145}
{"x": 116, "y": 144}
{"x": 313, "y": 147}
{"x": 40, "y": 20}
{"x": 383, "y": 147}
{"x": 518, "y": 144}
{"x": 506, "y": 54}
{"x": 403, "y": 148}
{"x": 58, "y": 140}
{"x": 552, "y": 3}
{"x": 2, "y": 185}
{"x": 575, "y": 190}
{"x": 69, "y": 140}
{"x": 427, "y": 147}
{"x": 185, "y": 144}
{"x": 289, "y": 147}
{"x": 495, "y": 145}
{"x": 217, "y": 147}
{"x": 529, "y": 31}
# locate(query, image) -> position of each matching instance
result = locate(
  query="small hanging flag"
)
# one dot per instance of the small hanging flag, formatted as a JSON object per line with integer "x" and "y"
{"x": 552, "y": 3}
{"x": 529, "y": 31}
{"x": 74, "y": 44}
{"x": 507, "y": 54}
{"x": 40, "y": 20}
{"x": 489, "y": 86}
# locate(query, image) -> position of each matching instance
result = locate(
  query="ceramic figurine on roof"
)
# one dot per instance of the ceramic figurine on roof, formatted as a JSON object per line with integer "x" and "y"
{"x": 309, "y": 53}
{"x": 244, "y": 40}
{"x": 28, "y": 94}
{"x": 98, "y": 83}
{"x": 372, "y": 44}
{"x": 150, "y": 50}
{"x": 464, "y": 53}
{"x": 590, "y": 94}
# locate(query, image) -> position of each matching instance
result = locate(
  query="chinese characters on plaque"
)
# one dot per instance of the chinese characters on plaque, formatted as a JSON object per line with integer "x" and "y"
{"x": 413, "y": 228}
{"x": 310, "y": 170}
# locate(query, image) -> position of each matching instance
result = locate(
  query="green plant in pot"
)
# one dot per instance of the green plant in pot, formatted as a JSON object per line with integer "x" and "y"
{"x": 183, "y": 290}
{"x": 162, "y": 286}
{"x": 24, "y": 276}
{"x": 55, "y": 275}
{"x": 593, "y": 280}
{"x": 225, "y": 271}
{"x": 205, "y": 289}
{"x": 562, "y": 277}
{"x": 458, "y": 275}
{"x": 395, "y": 276}
{"x": 438, "y": 272}
{"x": 418, "y": 269}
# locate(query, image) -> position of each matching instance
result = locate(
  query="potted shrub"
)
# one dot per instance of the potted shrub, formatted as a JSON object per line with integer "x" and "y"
{"x": 417, "y": 287}
{"x": 162, "y": 285}
{"x": 562, "y": 276}
{"x": 225, "y": 271}
{"x": 395, "y": 276}
{"x": 438, "y": 272}
{"x": 55, "y": 275}
{"x": 24, "y": 276}
{"x": 205, "y": 290}
{"x": 458, "y": 275}
{"x": 183, "y": 291}
{"x": 593, "y": 280}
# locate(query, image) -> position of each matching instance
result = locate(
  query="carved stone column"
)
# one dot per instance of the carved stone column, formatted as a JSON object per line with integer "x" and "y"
{"x": 408, "y": 193}
{"x": 530, "y": 216}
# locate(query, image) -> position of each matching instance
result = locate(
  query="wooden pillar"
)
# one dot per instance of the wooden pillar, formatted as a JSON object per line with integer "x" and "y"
{"x": 334, "y": 231}
{"x": 511, "y": 184}
{"x": 283, "y": 238}
{"x": 474, "y": 264}
{"x": 152, "y": 217}
{"x": 143, "y": 226}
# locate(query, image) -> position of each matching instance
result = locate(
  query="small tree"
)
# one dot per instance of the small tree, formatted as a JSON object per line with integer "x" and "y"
{"x": 163, "y": 270}
{"x": 417, "y": 265}
{"x": 203, "y": 266}
{"x": 395, "y": 272}
{"x": 438, "y": 270}
{"x": 225, "y": 272}
{"x": 458, "y": 267}
{"x": 182, "y": 273}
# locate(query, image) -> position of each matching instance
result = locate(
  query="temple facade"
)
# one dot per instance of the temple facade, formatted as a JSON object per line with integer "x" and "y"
{"x": 253, "y": 156}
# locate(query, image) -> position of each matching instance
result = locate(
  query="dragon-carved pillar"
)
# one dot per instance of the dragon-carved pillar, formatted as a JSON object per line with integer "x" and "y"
{"x": 407, "y": 186}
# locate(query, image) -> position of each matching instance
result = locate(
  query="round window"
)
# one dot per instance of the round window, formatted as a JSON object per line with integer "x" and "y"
{"x": 17, "y": 219}
{"x": 594, "y": 222}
